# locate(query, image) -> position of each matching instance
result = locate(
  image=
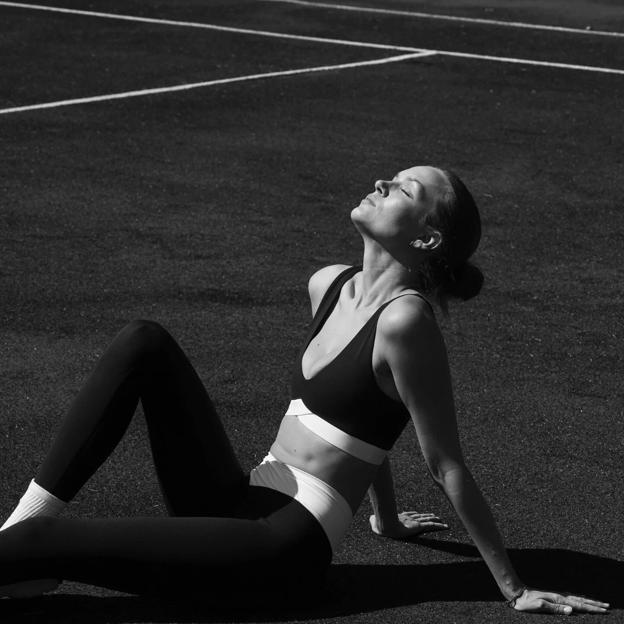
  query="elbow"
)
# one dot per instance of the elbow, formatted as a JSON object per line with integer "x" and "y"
{"x": 445, "y": 472}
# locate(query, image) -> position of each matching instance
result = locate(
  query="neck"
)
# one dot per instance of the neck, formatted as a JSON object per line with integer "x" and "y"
{"x": 383, "y": 276}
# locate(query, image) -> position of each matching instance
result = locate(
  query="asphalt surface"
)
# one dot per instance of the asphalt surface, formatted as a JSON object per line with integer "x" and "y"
{"x": 208, "y": 209}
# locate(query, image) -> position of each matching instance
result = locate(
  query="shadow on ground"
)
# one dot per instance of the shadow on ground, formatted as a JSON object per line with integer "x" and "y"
{"x": 348, "y": 591}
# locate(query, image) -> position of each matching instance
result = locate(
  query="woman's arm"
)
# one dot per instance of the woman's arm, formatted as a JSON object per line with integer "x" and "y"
{"x": 385, "y": 519}
{"x": 414, "y": 350}
{"x": 383, "y": 501}
{"x": 415, "y": 353}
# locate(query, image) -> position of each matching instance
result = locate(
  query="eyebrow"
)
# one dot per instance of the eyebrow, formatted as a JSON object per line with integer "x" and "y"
{"x": 395, "y": 179}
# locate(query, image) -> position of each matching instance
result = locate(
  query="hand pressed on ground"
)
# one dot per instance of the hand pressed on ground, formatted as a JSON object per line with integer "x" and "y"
{"x": 408, "y": 524}
{"x": 537, "y": 601}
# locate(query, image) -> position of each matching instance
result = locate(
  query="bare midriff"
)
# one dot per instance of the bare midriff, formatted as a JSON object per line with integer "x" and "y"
{"x": 297, "y": 446}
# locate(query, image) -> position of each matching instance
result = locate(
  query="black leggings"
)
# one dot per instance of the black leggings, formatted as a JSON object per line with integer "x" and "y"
{"x": 225, "y": 533}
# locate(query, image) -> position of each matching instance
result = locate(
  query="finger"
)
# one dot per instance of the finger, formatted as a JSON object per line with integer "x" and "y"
{"x": 586, "y": 607}
{"x": 428, "y": 524}
{"x": 417, "y": 514}
{"x": 435, "y": 525}
{"x": 560, "y": 609}
{"x": 571, "y": 599}
{"x": 419, "y": 520}
{"x": 580, "y": 601}
{"x": 543, "y": 605}
{"x": 591, "y": 609}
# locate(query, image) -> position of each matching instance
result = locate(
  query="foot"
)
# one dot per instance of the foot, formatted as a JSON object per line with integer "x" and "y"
{"x": 29, "y": 589}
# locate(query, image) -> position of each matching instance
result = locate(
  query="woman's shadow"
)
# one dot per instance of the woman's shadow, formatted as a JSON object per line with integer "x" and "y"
{"x": 350, "y": 589}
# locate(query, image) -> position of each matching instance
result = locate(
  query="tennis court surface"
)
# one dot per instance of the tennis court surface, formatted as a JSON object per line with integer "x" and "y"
{"x": 194, "y": 162}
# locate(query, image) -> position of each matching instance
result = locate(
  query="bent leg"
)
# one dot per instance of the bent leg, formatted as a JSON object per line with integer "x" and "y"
{"x": 189, "y": 444}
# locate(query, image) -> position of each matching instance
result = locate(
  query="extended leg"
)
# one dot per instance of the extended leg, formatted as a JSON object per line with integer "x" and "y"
{"x": 273, "y": 541}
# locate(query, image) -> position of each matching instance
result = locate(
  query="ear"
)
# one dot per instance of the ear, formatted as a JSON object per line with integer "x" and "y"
{"x": 427, "y": 241}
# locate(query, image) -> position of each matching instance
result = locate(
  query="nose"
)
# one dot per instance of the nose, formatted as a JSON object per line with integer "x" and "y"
{"x": 381, "y": 186}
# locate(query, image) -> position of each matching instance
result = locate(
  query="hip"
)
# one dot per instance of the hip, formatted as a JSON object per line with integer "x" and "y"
{"x": 328, "y": 507}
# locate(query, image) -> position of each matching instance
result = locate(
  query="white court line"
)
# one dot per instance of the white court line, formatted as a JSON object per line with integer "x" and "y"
{"x": 518, "y": 61}
{"x": 210, "y": 83}
{"x": 361, "y": 44}
{"x": 217, "y": 27}
{"x": 452, "y": 18}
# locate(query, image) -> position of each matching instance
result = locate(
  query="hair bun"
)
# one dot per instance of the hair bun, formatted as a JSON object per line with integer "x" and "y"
{"x": 467, "y": 281}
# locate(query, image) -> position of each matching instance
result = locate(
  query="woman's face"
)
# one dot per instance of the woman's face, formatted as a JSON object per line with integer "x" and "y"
{"x": 395, "y": 211}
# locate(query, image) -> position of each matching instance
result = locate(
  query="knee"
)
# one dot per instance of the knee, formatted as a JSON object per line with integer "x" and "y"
{"x": 142, "y": 337}
{"x": 145, "y": 330}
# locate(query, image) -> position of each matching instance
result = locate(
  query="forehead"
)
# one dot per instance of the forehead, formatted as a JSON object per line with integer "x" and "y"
{"x": 428, "y": 176}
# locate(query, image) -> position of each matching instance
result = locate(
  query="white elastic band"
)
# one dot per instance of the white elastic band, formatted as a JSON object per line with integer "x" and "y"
{"x": 340, "y": 439}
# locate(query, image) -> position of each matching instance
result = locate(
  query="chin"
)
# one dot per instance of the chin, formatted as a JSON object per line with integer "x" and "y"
{"x": 356, "y": 215}
{"x": 358, "y": 219}
{"x": 362, "y": 207}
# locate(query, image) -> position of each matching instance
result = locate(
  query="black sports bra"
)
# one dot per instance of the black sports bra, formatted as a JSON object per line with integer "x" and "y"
{"x": 345, "y": 392}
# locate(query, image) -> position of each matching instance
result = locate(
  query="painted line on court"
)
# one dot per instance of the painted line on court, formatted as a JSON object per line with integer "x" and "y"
{"x": 210, "y": 83}
{"x": 217, "y": 27}
{"x": 346, "y": 42}
{"x": 451, "y": 18}
{"x": 518, "y": 61}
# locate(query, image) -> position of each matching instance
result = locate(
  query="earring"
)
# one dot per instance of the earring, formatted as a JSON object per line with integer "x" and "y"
{"x": 416, "y": 243}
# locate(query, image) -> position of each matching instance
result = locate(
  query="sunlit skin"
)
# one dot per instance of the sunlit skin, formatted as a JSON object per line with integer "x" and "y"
{"x": 393, "y": 213}
{"x": 389, "y": 219}
{"x": 410, "y": 365}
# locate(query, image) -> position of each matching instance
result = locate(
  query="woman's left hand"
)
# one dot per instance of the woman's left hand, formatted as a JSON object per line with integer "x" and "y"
{"x": 408, "y": 524}
{"x": 537, "y": 601}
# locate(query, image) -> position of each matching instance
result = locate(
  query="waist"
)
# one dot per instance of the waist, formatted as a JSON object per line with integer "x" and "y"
{"x": 299, "y": 446}
{"x": 351, "y": 445}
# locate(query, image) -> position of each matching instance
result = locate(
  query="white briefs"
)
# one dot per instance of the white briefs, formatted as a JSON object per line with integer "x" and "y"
{"x": 323, "y": 501}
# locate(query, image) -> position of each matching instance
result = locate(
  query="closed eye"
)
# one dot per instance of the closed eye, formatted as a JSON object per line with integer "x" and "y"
{"x": 406, "y": 193}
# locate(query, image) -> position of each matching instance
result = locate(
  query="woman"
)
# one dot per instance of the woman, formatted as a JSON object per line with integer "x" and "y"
{"x": 373, "y": 359}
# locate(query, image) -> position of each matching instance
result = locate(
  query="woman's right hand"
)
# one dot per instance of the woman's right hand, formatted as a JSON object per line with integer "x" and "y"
{"x": 537, "y": 601}
{"x": 408, "y": 524}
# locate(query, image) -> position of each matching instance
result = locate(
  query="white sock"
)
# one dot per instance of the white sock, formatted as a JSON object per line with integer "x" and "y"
{"x": 35, "y": 502}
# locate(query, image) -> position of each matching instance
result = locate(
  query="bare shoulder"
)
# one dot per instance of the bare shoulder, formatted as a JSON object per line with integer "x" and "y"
{"x": 408, "y": 321}
{"x": 320, "y": 281}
